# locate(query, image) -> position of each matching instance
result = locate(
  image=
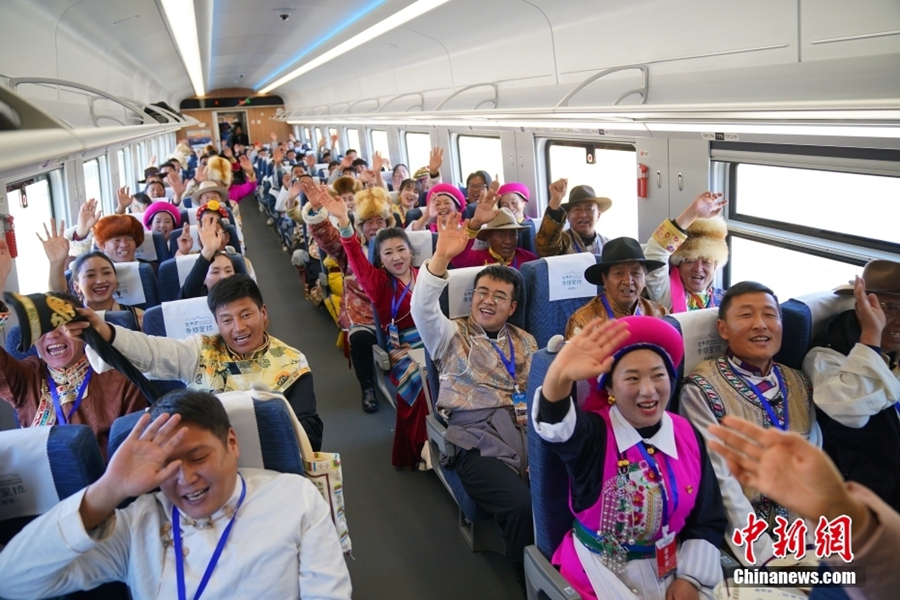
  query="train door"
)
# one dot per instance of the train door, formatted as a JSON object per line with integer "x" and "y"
{"x": 226, "y": 121}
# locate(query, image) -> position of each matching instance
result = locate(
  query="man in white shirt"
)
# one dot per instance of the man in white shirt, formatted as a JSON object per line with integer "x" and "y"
{"x": 212, "y": 528}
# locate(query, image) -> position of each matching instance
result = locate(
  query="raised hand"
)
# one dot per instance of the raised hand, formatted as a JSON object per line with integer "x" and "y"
{"x": 140, "y": 465}
{"x": 175, "y": 182}
{"x": 152, "y": 161}
{"x": 377, "y": 162}
{"x": 210, "y": 236}
{"x": 185, "y": 241}
{"x": 295, "y": 189}
{"x": 246, "y": 165}
{"x": 335, "y": 206}
{"x": 314, "y": 193}
{"x": 286, "y": 180}
{"x": 88, "y": 215}
{"x": 291, "y": 137}
{"x": 124, "y": 198}
{"x": 322, "y": 142}
{"x": 346, "y": 163}
{"x": 278, "y": 155}
{"x": 227, "y": 152}
{"x": 587, "y": 355}
{"x": 367, "y": 176}
{"x": 784, "y": 467}
{"x": 274, "y": 136}
{"x": 396, "y": 181}
{"x": 557, "y": 192}
{"x": 201, "y": 174}
{"x": 704, "y": 206}
{"x": 435, "y": 160}
{"x": 872, "y": 319}
{"x": 311, "y": 161}
{"x": 334, "y": 138}
{"x": 6, "y": 262}
{"x": 56, "y": 246}
{"x": 452, "y": 237}
{"x": 486, "y": 209}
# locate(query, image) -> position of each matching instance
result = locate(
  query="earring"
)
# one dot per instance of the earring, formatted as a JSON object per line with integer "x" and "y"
{"x": 611, "y": 400}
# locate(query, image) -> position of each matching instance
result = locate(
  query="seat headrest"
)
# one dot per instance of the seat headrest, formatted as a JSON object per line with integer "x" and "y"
{"x": 422, "y": 243}
{"x": 701, "y": 336}
{"x": 184, "y": 318}
{"x": 456, "y": 299}
{"x": 130, "y": 290}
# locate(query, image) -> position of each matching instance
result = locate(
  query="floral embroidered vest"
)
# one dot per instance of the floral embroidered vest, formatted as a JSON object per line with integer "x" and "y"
{"x": 221, "y": 370}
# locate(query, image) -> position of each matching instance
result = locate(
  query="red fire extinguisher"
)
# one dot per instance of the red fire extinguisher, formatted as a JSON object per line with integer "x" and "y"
{"x": 9, "y": 234}
{"x": 643, "y": 173}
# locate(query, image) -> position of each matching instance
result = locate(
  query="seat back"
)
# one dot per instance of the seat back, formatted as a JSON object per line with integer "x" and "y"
{"x": 180, "y": 319}
{"x": 556, "y": 288}
{"x": 41, "y": 466}
{"x": 526, "y": 237}
{"x": 174, "y": 272}
{"x": 154, "y": 248}
{"x": 423, "y": 244}
{"x": 814, "y": 311}
{"x": 547, "y": 473}
{"x": 264, "y": 426}
{"x": 122, "y": 318}
{"x": 137, "y": 285}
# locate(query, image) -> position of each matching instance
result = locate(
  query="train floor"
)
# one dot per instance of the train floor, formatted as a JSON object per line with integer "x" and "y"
{"x": 406, "y": 543}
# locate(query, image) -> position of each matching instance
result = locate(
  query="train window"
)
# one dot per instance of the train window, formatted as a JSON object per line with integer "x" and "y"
{"x": 379, "y": 143}
{"x": 93, "y": 187}
{"x": 126, "y": 170}
{"x": 353, "y": 139}
{"x": 418, "y": 150}
{"x": 855, "y": 204}
{"x": 319, "y": 137}
{"x": 31, "y": 204}
{"x": 331, "y": 133}
{"x": 609, "y": 169}
{"x": 477, "y": 153}
{"x": 752, "y": 261}
{"x": 307, "y": 134}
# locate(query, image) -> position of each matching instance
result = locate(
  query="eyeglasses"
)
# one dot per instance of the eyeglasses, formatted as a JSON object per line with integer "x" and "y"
{"x": 476, "y": 187}
{"x": 498, "y": 298}
{"x": 890, "y": 309}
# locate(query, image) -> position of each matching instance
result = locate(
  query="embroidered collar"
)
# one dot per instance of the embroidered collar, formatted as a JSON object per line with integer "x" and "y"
{"x": 71, "y": 376}
{"x": 617, "y": 308}
{"x": 746, "y": 369}
{"x": 500, "y": 259}
{"x": 627, "y": 436}
{"x": 253, "y": 355}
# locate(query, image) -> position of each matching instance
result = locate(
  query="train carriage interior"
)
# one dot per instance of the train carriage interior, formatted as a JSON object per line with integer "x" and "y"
{"x": 336, "y": 121}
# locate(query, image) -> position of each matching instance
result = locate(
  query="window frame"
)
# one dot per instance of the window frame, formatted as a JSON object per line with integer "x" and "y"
{"x": 457, "y": 155}
{"x": 371, "y": 149}
{"x": 406, "y": 132}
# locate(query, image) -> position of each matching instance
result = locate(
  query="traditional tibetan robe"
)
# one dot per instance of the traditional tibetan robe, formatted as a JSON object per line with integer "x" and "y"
{"x": 220, "y": 370}
{"x": 605, "y": 308}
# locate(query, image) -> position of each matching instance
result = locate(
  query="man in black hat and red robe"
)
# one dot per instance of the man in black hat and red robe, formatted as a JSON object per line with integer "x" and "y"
{"x": 622, "y": 272}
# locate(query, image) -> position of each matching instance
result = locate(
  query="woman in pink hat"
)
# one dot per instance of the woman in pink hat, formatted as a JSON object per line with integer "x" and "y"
{"x": 442, "y": 200}
{"x": 648, "y": 513}
{"x": 515, "y": 196}
{"x": 162, "y": 217}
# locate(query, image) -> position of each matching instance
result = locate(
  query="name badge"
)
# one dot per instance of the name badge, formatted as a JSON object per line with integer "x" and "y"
{"x": 394, "y": 335}
{"x": 521, "y": 407}
{"x": 666, "y": 554}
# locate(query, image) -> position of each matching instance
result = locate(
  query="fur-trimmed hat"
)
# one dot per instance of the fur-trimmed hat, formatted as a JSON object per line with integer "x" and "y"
{"x": 346, "y": 185}
{"x": 219, "y": 170}
{"x": 114, "y": 226}
{"x": 706, "y": 239}
{"x": 373, "y": 202}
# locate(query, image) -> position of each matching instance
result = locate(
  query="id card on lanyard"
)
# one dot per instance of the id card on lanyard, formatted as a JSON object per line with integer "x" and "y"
{"x": 666, "y": 547}
{"x": 518, "y": 397}
{"x": 609, "y": 310}
{"x": 61, "y": 416}
{"x": 770, "y": 411}
{"x": 393, "y": 331}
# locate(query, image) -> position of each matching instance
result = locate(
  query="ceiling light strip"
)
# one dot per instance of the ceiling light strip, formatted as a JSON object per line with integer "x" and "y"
{"x": 399, "y": 18}
{"x": 183, "y": 24}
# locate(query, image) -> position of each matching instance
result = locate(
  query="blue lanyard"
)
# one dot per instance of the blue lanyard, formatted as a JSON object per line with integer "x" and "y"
{"x": 670, "y": 487}
{"x": 509, "y": 363}
{"x": 179, "y": 556}
{"x": 395, "y": 301}
{"x": 609, "y": 310}
{"x": 60, "y": 415}
{"x": 765, "y": 403}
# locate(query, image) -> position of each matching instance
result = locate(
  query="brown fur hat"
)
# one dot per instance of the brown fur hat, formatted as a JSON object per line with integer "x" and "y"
{"x": 344, "y": 185}
{"x": 219, "y": 170}
{"x": 115, "y": 225}
{"x": 706, "y": 239}
{"x": 373, "y": 202}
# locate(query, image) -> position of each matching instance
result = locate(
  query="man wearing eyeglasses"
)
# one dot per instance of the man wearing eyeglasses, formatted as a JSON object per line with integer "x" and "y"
{"x": 856, "y": 382}
{"x": 483, "y": 363}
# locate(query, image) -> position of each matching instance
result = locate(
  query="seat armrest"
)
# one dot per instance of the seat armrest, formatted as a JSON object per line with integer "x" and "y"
{"x": 382, "y": 360}
{"x": 436, "y": 432}
{"x": 323, "y": 281}
{"x": 542, "y": 580}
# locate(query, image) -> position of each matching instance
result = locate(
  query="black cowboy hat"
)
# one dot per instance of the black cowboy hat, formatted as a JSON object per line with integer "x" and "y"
{"x": 618, "y": 251}
{"x": 585, "y": 193}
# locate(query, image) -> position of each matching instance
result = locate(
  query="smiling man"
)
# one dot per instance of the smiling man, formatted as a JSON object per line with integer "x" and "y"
{"x": 582, "y": 212}
{"x": 622, "y": 271}
{"x": 749, "y": 384}
{"x": 241, "y": 353}
{"x": 214, "y": 528}
{"x": 483, "y": 363}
